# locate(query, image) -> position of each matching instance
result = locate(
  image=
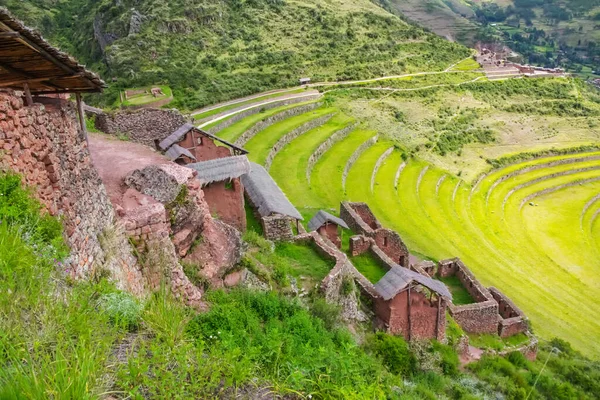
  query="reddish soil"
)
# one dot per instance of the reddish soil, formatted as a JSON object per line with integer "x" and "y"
{"x": 115, "y": 159}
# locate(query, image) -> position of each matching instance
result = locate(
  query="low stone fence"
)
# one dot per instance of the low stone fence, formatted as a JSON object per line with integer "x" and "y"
{"x": 359, "y": 217}
{"x": 513, "y": 321}
{"x": 265, "y": 123}
{"x": 326, "y": 145}
{"x": 287, "y": 138}
{"x": 277, "y": 227}
{"x": 480, "y": 317}
{"x": 143, "y": 126}
{"x": 357, "y": 153}
{"x": 255, "y": 110}
{"x": 153, "y": 104}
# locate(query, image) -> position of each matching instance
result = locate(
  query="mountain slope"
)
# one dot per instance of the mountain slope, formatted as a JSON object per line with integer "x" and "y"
{"x": 210, "y": 51}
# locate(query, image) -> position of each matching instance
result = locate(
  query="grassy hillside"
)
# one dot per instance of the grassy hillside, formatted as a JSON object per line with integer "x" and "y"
{"x": 211, "y": 51}
{"x": 86, "y": 340}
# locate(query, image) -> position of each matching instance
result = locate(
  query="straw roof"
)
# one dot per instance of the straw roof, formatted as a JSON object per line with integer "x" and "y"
{"x": 27, "y": 58}
{"x": 399, "y": 278}
{"x": 185, "y": 128}
{"x": 177, "y": 151}
{"x": 266, "y": 195}
{"x": 221, "y": 169}
{"x": 323, "y": 217}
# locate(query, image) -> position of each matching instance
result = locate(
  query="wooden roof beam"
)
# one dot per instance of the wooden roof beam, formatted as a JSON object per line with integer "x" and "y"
{"x": 28, "y": 77}
{"x": 10, "y": 35}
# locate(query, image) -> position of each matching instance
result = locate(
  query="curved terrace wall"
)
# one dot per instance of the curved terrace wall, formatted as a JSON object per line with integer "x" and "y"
{"x": 355, "y": 156}
{"x": 326, "y": 145}
{"x": 265, "y": 123}
{"x": 255, "y": 110}
{"x": 288, "y": 137}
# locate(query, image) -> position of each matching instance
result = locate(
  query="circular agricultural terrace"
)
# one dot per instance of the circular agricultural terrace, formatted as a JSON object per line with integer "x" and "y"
{"x": 531, "y": 229}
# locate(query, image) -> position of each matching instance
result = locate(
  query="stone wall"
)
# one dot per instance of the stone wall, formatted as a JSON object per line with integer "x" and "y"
{"x": 357, "y": 153}
{"x": 379, "y": 163}
{"x": 326, "y": 145}
{"x": 277, "y": 227}
{"x": 513, "y": 321}
{"x": 480, "y": 317}
{"x": 293, "y": 134}
{"x": 422, "y": 319}
{"x": 359, "y": 244}
{"x": 142, "y": 126}
{"x": 263, "y": 124}
{"x": 255, "y": 110}
{"x": 360, "y": 219}
{"x": 43, "y": 144}
{"x": 212, "y": 245}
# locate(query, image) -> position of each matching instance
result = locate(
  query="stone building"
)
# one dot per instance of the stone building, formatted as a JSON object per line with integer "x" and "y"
{"x": 277, "y": 215}
{"x": 202, "y": 145}
{"x": 362, "y": 221}
{"x": 327, "y": 225}
{"x": 412, "y": 305}
{"x": 223, "y": 190}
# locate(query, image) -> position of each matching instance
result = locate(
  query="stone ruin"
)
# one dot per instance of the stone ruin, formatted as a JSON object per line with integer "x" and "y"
{"x": 492, "y": 311}
{"x": 372, "y": 235}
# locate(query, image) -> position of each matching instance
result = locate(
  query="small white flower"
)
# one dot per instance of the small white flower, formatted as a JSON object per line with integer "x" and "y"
{"x": 219, "y": 332}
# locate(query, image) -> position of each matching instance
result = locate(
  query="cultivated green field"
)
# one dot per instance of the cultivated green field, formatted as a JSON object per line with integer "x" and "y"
{"x": 530, "y": 228}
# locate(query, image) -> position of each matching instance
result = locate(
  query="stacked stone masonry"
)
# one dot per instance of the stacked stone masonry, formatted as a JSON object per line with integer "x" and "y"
{"x": 480, "y": 317}
{"x": 144, "y": 126}
{"x": 43, "y": 144}
{"x": 361, "y": 220}
{"x": 262, "y": 125}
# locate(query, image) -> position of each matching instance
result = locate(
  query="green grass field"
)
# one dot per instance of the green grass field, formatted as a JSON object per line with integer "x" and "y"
{"x": 517, "y": 228}
{"x": 146, "y": 98}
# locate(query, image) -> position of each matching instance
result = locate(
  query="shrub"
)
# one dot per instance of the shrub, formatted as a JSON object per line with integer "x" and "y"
{"x": 326, "y": 312}
{"x": 517, "y": 359}
{"x": 449, "y": 362}
{"x": 122, "y": 309}
{"x": 394, "y": 352}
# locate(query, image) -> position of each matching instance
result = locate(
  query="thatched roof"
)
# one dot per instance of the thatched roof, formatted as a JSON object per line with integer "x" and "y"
{"x": 177, "y": 151}
{"x": 323, "y": 217}
{"x": 221, "y": 169}
{"x": 266, "y": 195}
{"x": 398, "y": 278}
{"x": 27, "y": 58}
{"x": 185, "y": 128}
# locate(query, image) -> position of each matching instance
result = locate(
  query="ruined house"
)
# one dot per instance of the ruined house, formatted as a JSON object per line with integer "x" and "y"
{"x": 362, "y": 221}
{"x": 411, "y": 305}
{"x": 202, "y": 145}
{"x": 223, "y": 190}
{"x": 327, "y": 225}
{"x": 277, "y": 215}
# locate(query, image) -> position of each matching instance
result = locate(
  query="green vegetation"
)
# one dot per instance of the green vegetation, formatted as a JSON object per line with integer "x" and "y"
{"x": 210, "y": 52}
{"x": 494, "y": 342}
{"x": 369, "y": 266}
{"x": 460, "y": 295}
{"x": 96, "y": 340}
{"x": 413, "y": 177}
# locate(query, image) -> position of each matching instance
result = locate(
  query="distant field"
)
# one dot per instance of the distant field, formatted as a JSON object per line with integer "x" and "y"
{"x": 145, "y": 98}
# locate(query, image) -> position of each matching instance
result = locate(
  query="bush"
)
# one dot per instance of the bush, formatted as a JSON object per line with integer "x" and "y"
{"x": 449, "y": 362}
{"x": 517, "y": 359}
{"x": 122, "y": 309}
{"x": 326, "y": 312}
{"x": 394, "y": 352}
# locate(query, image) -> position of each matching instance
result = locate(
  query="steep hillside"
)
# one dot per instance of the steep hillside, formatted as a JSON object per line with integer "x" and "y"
{"x": 544, "y": 32}
{"x": 210, "y": 51}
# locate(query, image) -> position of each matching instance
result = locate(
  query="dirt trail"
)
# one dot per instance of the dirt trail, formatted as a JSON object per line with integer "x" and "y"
{"x": 115, "y": 159}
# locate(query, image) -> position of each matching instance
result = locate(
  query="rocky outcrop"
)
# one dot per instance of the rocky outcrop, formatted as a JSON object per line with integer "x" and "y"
{"x": 197, "y": 238}
{"x": 144, "y": 126}
{"x": 135, "y": 22}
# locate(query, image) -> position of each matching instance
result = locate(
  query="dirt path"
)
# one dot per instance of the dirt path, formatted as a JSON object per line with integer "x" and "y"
{"x": 115, "y": 159}
{"x": 241, "y": 100}
{"x": 228, "y": 113}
